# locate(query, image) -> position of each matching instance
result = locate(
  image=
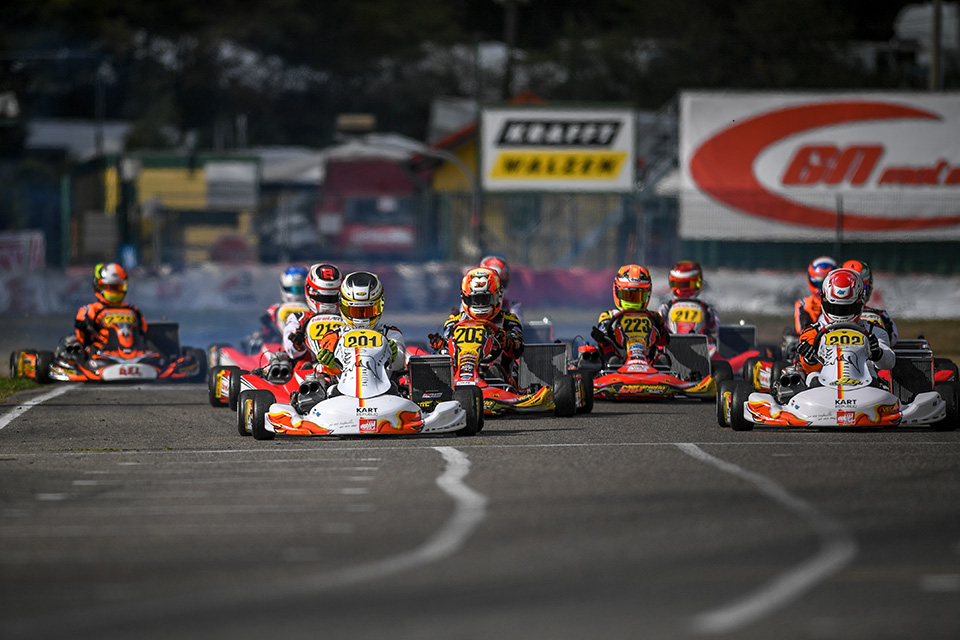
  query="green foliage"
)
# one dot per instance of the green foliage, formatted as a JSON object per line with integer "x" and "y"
{"x": 9, "y": 386}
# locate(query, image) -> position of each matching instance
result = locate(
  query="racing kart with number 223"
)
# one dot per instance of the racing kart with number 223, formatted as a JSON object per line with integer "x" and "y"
{"x": 546, "y": 380}
{"x": 362, "y": 400}
{"x": 844, "y": 393}
{"x": 126, "y": 356}
{"x": 683, "y": 370}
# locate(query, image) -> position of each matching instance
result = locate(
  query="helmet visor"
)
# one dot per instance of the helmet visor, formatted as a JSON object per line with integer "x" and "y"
{"x": 113, "y": 292}
{"x": 480, "y": 300}
{"x": 324, "y": 298}
{"x": 294, "y": 290}
{"x": 633, "y": 295}
{"x": 361, "y": 312}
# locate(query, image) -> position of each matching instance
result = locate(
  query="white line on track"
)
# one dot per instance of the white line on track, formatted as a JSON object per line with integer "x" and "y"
{"x": 469, "y": 511}
{"x": 19, "y": 410}
{"x": 837, "y": 549}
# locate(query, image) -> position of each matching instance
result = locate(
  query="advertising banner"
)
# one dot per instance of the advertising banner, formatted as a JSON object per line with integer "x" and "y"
{"x": 786, "y": 166}
{"x": 570, "y": 150}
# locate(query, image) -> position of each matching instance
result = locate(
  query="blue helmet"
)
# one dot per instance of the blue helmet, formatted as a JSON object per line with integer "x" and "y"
{"x": 292, "y": 284}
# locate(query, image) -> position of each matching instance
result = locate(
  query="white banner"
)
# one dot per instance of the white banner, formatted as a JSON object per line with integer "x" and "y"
{"x": 540, "y": 149}
{"x": 779, "y": 166}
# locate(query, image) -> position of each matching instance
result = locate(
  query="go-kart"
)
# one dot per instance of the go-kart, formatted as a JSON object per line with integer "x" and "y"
{"x": 735, "y": 343}
{"x": 251, "y": 351}
{"x": 684, "y": 369}
{"x": 126, "y": 356}
{"x": 362, "y": 400}
{"x": 545, "y": 378}
{"x": 845, "y": 392}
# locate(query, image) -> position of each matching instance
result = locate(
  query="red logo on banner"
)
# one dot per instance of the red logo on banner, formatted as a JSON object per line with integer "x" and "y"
{"x": 723, "y": 165}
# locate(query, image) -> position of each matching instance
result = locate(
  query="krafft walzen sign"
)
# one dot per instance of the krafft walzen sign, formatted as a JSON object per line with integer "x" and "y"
{"x": 577, "y": 150}
{"x": 781, "y": 166}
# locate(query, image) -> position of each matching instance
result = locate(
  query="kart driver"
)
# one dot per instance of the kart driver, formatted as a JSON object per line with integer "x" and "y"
{"x": 806, "y": 310}
{"x": 360, "y": 301}
{"x": 481, "y": 298}
{"x": 93, "y": 323}
{"x": 500, "y": 265}
{"x": 842, "y": 295}
{"x": 873, "y": 314}
{"x": 631, "y": 293}
{"x": 686, "y": 281}
{"x": 322, "y": 292}
{"x": 292, "y": 282}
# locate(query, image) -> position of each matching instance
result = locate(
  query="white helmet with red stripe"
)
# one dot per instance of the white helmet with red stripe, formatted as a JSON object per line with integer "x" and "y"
{"x": 842, "y": 296}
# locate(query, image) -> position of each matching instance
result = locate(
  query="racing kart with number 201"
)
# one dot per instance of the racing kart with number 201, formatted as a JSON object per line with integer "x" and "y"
{"x": 844, "y": 393}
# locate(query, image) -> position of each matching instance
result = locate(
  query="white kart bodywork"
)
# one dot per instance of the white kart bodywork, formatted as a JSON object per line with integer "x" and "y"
{"x": 365, "y": 404}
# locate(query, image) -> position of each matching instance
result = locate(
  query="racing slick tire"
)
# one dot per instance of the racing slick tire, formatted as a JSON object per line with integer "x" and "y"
{"x": 720, "y": 370}
{"x": 946, "y": 364}
{"x": 724, "y": 393}
{"x": 747, "y": 372}
{"x": 586, "y": 394}
{"x": 776, "y": 370}
{"x": 950, "y": 392}
{"x": 212, "y": 386}
{"x": 44, "y": 360}
{"x": 564, "y": 396}
{"x": 201, "y": 357}
{"x": 14, "y": 358}
{"x": 471, "y": 400}
{"x": 741, "y": 391}
{"x": 233, "y": 387}
{"x": 213, "y": 353}
{"x": 253, "y": 407}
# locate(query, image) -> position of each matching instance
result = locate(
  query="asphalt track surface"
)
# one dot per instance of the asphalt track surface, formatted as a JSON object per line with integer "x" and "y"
{"x": 139, "y": 511}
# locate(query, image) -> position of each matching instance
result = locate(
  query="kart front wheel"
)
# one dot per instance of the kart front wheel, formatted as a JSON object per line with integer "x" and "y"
{"x": 738, "y": 399}
{"x": 724, "y": 400}
{"x": 586, "y": 393}
{"x": 564, "y": 396}
{"x": 213, "y": 385}
{"x": 949, "y": 393}
{"x": 253, "y": 407}
{"x": 471, "y": 400}
{"x": 44, "y": 362}
{"x": 233, "y": 387}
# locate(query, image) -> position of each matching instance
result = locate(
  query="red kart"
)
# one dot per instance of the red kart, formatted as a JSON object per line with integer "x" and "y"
{"x": 252, "y": 351}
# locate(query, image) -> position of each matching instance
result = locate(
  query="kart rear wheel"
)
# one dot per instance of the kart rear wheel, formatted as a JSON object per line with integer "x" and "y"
{"x": 253, "y": 407}
{"x": 201, "y": 357}
{"x": 586, "y": 394}
{"x": 946, "y": 364}
{"x": 44, "y": 361}
{"x": 213, "y": 385}
{"x": 721, "y": 371}
{"x": 471, "y": 400}
{"x": 747, "y": 372}
{"x": 724, "y": 393}
{"x": 14, "y": 358}
{"x": 776, "y": 370}
{"x": 564, "y": 396}
{"x": 950, "y": 392}
{"x": 738, "y": 398}
{"x": 233, "y": 387}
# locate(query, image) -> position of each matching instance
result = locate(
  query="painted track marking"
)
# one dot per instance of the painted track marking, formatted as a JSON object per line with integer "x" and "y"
{"x": 837, "y": 549}
{"x": 20, "y": 409}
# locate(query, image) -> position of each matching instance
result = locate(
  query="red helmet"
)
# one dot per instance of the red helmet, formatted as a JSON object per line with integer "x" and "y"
{"x": 841, "y": 296}
{"x": 631, "y": 288}
{"x": 686, "y": 279}
{"x": 322, "y": 288}
{"x": 818, "y": 270}
{"x": 481, "y": 293}
{"x": 865, "y": 274}
{"x": 109, "y": 283}
{"x": 499, "y": 265}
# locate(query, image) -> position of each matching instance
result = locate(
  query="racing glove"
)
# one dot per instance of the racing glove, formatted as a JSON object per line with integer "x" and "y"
{"x": 437, "y": 343}
{"x": 875, "y": 351}
{"x": 326, "y": 357}
{"x": 808, "y": 352}
{"x": 598, "y": 335}
{"x": 299, "y": 340}
{"x": 393, "y": 349}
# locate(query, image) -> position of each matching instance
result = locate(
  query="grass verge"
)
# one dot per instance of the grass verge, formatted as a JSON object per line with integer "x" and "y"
{"x": 9, "y": 386}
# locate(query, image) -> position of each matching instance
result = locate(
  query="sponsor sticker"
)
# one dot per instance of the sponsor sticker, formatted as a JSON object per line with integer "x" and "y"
{"x": 368, "y": 425}
{"x": 845, "y": 418}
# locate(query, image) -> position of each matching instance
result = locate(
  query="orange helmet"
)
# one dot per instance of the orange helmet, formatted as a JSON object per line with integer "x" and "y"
{"x": 866, "y": 275}
{"x": 481, "y": 293}
{"x": 499, "y": 265}
{"x": 109, "y": 283}
{"x": 686, "y": 279}
{"x": 818, "y": 270}
{"x": 631, "y": 288}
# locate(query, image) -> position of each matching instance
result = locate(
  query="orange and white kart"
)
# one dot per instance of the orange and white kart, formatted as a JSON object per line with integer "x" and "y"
{"x": 362, "y": 400}
{"x": 252, "y": 350}
{"x": 683, "y": 370}
{"x": 126, "y": 356}
{"x": 546, "y": 380}
{"x": 844, "y": 393}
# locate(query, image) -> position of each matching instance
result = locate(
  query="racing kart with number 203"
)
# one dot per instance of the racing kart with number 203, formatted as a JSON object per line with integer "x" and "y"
{"x": 844, "y": 393}
{"x": 683, "y": 370}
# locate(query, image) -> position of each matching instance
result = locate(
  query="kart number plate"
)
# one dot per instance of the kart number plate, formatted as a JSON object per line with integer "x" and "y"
{"x": 843, "y": 338}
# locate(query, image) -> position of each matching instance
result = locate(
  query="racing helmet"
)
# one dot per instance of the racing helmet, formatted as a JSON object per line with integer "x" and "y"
{"x": 842, "y": 296}
{"x": 361, "y": 300}
{"x": 866, "y": 275}
{"x": 818, "y": 270}
{"x": 109, "y": 282}
{"x": 686, "y": 279}
{"x": 292, "y": 284}
{"x": 322, "y": 288}
{"x": 631, "y": 288}
{"x": 481, "y": 292}
{"x": 499, "y": 265}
